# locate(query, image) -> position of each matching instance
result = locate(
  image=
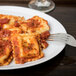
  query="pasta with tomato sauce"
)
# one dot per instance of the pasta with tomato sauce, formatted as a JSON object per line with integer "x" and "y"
{"x": 22, "y": 40}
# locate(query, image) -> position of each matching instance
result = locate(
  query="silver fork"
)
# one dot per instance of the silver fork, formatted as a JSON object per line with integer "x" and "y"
{"x": 63, "y": 37}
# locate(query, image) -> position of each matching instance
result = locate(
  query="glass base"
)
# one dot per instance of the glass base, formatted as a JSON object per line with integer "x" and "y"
{"x": 42, "y": 9}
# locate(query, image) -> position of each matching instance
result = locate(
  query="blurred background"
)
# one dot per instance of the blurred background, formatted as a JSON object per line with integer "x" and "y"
{"x": 18, "y": 2}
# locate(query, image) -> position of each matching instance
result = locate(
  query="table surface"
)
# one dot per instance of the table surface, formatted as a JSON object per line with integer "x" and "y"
{"x": 63, "y": 64}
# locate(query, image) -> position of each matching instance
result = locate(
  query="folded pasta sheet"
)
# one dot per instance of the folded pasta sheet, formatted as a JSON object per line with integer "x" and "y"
{"x": 9, "y": 21}
{"x": 25, "y": 48}
{"x": 5, "y": 52}
{"x": 36, "y": 25}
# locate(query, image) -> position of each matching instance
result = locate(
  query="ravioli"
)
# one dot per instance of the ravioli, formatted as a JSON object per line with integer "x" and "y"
{"x": 24, "y": 47}
{"x": 10, "y": 21}
{"x": 36, "y": 25}
{"x": 5, "y": 52}
{"x": 22, "y": 40}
